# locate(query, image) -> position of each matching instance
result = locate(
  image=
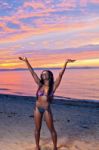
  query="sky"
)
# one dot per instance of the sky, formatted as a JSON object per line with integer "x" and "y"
{"x": 48, "y": 32}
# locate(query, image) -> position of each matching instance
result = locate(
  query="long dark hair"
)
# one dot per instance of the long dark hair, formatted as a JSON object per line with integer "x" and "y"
{"x": 51, "y": 81}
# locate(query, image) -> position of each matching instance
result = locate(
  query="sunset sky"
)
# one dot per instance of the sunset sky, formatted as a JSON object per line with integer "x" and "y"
{"x": 48, "y": 32}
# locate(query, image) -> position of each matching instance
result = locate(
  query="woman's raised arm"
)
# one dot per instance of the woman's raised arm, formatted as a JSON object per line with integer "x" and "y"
{"x": 58, "y": 79}
{"x": 36, "y": 78}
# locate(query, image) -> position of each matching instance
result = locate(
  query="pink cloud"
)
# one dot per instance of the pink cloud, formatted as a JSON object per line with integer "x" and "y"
{"x": 87, "y": 55}
{"x": 85, "y": 2}
{"x": 94, "y": 1}
{"x": 34, "y": 5}
{"x": 57, "y": 23}
{"x": 27, "y": 31}
{"x": 78, "y": 56}
{"x": 67, "y": 4}
{"x": 39, "y": 60}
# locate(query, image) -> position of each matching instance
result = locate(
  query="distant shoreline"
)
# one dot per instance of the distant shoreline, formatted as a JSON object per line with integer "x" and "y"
{"x": 24, "y": 69}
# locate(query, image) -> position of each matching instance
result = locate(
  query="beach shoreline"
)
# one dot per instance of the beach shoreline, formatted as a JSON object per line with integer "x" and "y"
{"x": 59, "y": 100}
{"x": 76, "y": 122}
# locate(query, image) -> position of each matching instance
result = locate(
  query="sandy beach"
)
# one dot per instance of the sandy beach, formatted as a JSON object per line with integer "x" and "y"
{"x": 76, "y": 123}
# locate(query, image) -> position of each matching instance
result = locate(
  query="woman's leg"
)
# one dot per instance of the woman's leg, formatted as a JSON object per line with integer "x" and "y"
{"x": 38, "y": 123}
{"x": 49, "y": 121}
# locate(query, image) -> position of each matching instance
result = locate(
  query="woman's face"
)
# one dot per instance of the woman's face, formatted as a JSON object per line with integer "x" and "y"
{"x": 45, "y": 75}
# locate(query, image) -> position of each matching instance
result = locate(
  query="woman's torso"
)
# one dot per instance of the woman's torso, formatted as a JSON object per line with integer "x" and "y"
{"x": 43, "y": 98}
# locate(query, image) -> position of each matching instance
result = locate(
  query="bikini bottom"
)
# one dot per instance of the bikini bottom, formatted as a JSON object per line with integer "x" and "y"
{"x": 42, "y": 110}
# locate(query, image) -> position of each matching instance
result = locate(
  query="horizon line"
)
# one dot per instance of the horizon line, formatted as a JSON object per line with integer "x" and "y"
{"x": 40, "y": 68}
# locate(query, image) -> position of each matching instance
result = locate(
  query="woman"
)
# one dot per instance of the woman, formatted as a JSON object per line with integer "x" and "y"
{"x": 46, "y": 89}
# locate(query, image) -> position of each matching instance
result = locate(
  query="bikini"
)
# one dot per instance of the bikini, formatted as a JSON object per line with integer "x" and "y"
{"x": 41, "y": 93}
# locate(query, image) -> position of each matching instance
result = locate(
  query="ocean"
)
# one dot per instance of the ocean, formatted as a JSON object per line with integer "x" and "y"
{"x": 76, "y": 83}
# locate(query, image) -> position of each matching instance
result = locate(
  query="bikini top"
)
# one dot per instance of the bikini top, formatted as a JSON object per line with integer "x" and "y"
{"x": 42, "y": 93}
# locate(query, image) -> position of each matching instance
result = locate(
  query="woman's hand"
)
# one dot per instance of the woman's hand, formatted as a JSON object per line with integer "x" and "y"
{"x": 70, "y": 60}
{"x": 23, "y": 58}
